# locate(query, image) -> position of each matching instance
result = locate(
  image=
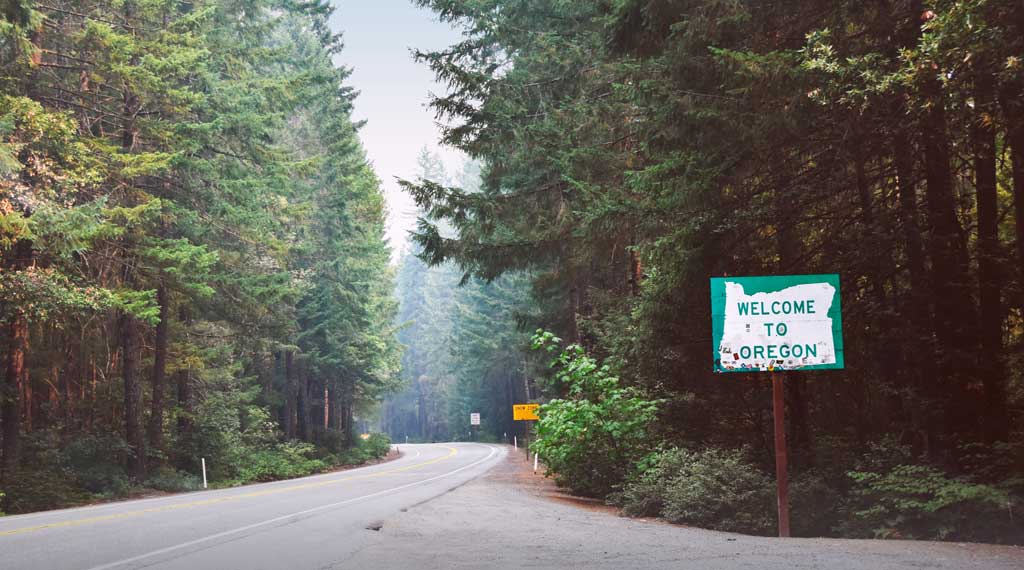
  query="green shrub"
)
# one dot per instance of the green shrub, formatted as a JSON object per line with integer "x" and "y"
{"x": 373, "y": 447}
{"x": 173, "y": 481}
{"x": 33, "y": 489}
{"x": 96, "y": 461}
{"x": 644, "y": 493}
{"x": 283, "y": 461}
{"x": 334, "y": 441}
{"x": 377, "y": 445}
{"x": 715, "y": 488}
{"x": 47, "y": 477}
{"x": 487, "y": 437}
{"x": 815, "y": 505}
{"x": 919, "y": 501}
{"x": 229, "y": 440}
{"x": 593, "y": 438}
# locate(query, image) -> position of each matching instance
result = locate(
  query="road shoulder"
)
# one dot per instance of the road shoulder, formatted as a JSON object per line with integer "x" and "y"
{"x": 511, "y": 518}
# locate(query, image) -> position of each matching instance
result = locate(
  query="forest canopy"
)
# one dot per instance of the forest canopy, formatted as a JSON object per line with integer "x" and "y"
{"x": 634, "y": 148}
{"x": 193, "y": 260}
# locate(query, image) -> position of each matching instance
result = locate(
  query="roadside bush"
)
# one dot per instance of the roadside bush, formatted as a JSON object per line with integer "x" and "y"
{"x": 44, "y": 479}
{"x": 488, "y": 437}
{"x": 333, "y": 441}
{"x": 377, "y": 445}
{"x": 373, "y": 447}
{"x": 173, "y": 481}
{"x": 645, "y": 492}
{"x": 590, "y": 440}
{"x": 34, "y": 489}
{"x": 715, "y": 488}
{"x": 217, "y": 437}
{"x": 1000, "y": 464}
{"x": 283, "y": 461}
{"x": 96, "y": 461}
{"x": 919, "y": 501}
{"x": 815, "y": 504}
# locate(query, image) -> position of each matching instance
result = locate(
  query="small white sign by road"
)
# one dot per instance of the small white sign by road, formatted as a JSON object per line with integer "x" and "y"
{"x": 474, "y": 419}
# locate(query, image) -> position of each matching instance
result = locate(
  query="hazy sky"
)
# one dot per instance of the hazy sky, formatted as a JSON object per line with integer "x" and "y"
{"x": 393, "y": 92}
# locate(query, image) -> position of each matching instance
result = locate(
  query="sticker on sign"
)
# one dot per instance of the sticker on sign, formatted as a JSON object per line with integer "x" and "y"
{"x": 783, "y": 322}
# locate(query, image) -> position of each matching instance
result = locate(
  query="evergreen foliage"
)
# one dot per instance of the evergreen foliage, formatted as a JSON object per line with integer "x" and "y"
{"x": 193, "y": 260}
{"x": 634, "y": 148}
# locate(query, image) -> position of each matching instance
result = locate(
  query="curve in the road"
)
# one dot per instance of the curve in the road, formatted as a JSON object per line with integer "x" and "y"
{"x": 307, "y": 512}
{"x": 192, "y": 504}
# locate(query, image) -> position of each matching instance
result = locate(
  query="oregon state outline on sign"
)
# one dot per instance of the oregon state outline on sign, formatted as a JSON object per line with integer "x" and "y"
{"x": 784, "y": 322}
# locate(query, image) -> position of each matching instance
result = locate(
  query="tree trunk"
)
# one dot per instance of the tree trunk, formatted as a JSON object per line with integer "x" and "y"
{"x": 183, "y": 382}
{"x": 327, "y": 407}
{"x": 130, "y": 345}
{"x": 870, "y": 230}
{"x": 15, "y": 371}
{"x": 954, "y": 315}
{"x": 27, "y": 403}
{"x": 132, "y": 398}
{"x": 71, "y": 381}
{"x": 912, "y": 244}
{"x": 1013, "y": 111}
{"x": 14, "y": 376}
{"x": 920, "y": 352}
{"x": 1016, "y": 139}
{"x": 185, "y": 403}
{"x": 303, "y": 400}
{"x": 332, "y": 406}
{"x": 290, "y": 406}
{"x": 991, "y": 362}
{"x": 348, "y": 398}
{"x": 636, "y": 272}
{"x": 574, "y": 312}
{"x": 155, "y": 430}
{"x": 421, "y": 408}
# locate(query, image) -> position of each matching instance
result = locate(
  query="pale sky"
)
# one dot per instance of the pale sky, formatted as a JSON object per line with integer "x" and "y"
{"x": 393, "y": 92}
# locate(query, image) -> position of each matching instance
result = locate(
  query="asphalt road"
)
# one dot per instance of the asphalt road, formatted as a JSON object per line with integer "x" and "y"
{"x": 437, "y": 507}
{"x": 310, "y": 523}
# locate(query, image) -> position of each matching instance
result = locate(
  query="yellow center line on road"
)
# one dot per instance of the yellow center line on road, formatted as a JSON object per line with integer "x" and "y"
{"x": 116, "y": 516}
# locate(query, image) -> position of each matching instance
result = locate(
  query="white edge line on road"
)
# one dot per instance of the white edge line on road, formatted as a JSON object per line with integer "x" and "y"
{"x": 228, "y": 491}
{"x": 286, "y": 517}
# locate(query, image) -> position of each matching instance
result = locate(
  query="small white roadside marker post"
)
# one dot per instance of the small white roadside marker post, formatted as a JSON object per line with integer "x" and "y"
{"x": 515, "y": 442}
{"x": 535, "y": 455}
{"x": 204, "y": 471}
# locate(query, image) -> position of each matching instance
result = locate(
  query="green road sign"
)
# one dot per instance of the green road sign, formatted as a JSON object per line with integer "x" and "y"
{"x": 784, "y": 322}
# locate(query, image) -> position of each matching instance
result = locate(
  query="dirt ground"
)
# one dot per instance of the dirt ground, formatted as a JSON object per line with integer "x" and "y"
{"x": 512, "y": 518}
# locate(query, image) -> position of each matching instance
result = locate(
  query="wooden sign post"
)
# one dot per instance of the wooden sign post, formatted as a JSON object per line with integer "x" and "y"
{"x": 781, "y": 461}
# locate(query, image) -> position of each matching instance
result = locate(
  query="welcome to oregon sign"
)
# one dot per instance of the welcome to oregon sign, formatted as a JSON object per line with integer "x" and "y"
{"x": 783, "y": 322}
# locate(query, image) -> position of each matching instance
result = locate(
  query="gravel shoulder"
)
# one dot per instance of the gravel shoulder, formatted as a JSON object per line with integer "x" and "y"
{"x": 511, "y": 518}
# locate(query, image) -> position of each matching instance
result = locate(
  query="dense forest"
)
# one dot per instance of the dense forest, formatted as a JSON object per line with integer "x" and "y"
{"x": 464, "y": 343}
{"x": 634, "y": 148}
{"x": 193, "y": 260}
{"x": 194, "y": 264}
